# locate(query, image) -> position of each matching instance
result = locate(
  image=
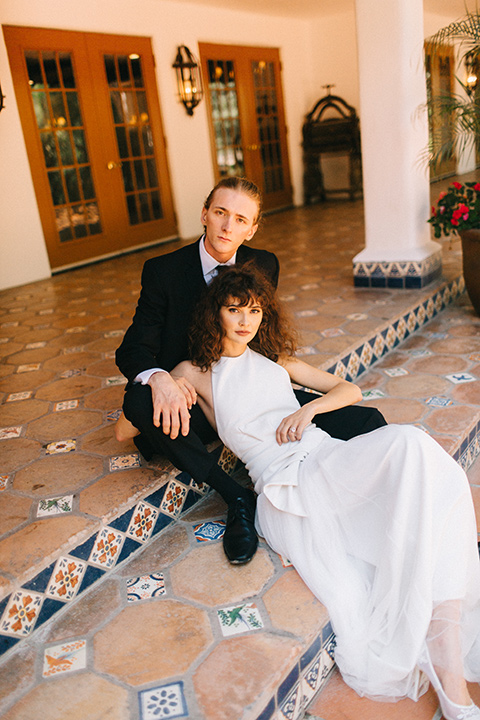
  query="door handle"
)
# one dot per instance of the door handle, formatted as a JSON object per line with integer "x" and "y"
{"x": 111, "y": 165}
{"x": 252, "y": 147}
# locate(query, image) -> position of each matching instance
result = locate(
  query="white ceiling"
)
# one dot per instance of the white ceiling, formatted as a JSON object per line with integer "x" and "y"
{"x": 313, "y": 8}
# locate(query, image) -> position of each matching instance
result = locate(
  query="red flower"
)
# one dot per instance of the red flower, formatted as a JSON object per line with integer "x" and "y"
{"x": 457, "y": 185}
{"x": 442, "y": 195}
{"x": 477, "y": 187}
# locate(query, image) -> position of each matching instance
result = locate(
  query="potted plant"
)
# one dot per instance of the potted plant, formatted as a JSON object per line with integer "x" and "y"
{"x": 458, "y": 211}
{"x": 462, "y": 111}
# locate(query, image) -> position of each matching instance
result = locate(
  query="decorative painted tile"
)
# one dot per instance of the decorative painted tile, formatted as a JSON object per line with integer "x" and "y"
{"x": 285, "y": 561}
{"x": 109, "y": 355}
{"x": 19, "y": 396}
{"x": 401, "y": 329}
{"x": 107, "y": 546}
{"x": 71, "y": 350}
{"x": 174, "y": 498}
{"x": 10, "y": 432}
{"x": 287, "y": 298}
{"x": 201, "y": 488}
{"x": 114, "y": 333}
{"x": 64, "y": 658}
{"x": 311, "y": 680}
{"x": 332, "y": 332}
{"x": 211, "y": 530}
{"x": 366, "y": 355}
{"x": 307, "y": 350}
{"x": 124, "y": 462}
{"x": 66, "y": 578}
{"x": 4, "y": 340}
{"x": 340, "y": 370}
{"x": 75, "y": 330}
{"x": 378, "y": 346}
{"x": 411, "y": 321}
{"x": 65, "y": 405}
{"x": 48, "y": 311}
{"x": 373, "y": 394}
{"x": 310, "y": 286}
{"x": 147, "y": 586}
{"x": 3, "y": 482}
{"x": 115, "y": 380}
{"x": 353, "y": 365}
{"x": 113, "y": 415}
{"x": 292, "y": 707}
{"x": 419, "y": 353}
{"x": 142, "y": 522}
{"x": 55, "y": 506}
{"x": 474, "y": 357}
{"x": 391, "y": 337}
{"x": 28, "y": 368}
{"x": 21, "y": 613}
{"x": 306, "y": 313}
{"x": 439, "y": 401}
{"x": 71, "y": 373}
{"x": 458, "y": 378}
{"x": 332, "y": 300}
{"x": 9, "y": 324}
{"x": 357, "y": 316}
{"x": 239, "y": 619}
{"x": 227, "y": 460}
{"x": 437, "y": 335}
{"x": 165, "y": 701}
{"x": 395, "y": 372}
{"x": 60, "y": 446}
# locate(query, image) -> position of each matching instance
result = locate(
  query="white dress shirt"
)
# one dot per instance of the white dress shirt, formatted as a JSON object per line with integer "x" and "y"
{"x": 209, "y": 269}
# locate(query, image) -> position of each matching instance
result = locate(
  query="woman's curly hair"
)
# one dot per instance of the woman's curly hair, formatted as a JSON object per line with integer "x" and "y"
{"x": 275, "y": 336}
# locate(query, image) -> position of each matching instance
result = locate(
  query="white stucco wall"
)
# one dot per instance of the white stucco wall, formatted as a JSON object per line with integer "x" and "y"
{"x": 168, "y": 24}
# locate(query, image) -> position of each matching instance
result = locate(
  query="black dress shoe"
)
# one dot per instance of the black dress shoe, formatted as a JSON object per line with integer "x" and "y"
{"x": 144, "y": 446}
{"x": 240, "y": 539}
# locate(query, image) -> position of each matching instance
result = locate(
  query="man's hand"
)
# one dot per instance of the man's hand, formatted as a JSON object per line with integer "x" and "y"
{"x": 172, "y": 399}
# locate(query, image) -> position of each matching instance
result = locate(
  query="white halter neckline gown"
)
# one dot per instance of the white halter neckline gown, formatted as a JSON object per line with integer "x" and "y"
{"x": 381, "y": 527}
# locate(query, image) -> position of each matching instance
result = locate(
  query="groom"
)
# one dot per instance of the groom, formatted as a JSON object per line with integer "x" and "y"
{"x": 164, "y": 409}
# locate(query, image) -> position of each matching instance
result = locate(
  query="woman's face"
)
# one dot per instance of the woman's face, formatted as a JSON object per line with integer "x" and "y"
{"x": 240, "y": 324}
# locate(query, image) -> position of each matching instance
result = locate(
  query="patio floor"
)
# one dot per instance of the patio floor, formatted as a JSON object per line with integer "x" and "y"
{"x": 116, "y": 600}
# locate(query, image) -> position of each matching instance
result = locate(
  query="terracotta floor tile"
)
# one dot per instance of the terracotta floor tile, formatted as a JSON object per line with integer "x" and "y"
{"x": 417, "y": 386}
{"x": 18, "y": 452}
{"x": 64, "y": 424}
{"x": 103, "y": 368}
{"x": 293, "y": 607}
{"x": 69, "y": 361}
{"x": 14, "y": 511}
{"x": 242, "y": 673}
{"x": 58, "y": 474}
{"x": 398, "y": 410}
{"x": 25, "y": 357}
{"x": 450, "y": 419}
{"x": 103, "y": 442}
{"x": 109, "y": 398}
{"x": 85, "y": 697}
{"x": 207, "y": 577}
{"x": 457, "y": 345}
{"x": 468, "y": 393}
{"x": 439, "y": 364}
{"x": 152, "y": 626}
{"x": 212, "y": 507}
{"x": 19, "y": 412}
{"x": 339, "y": 702}
{"x": 20, "y": 382}
{"x": 108, "y": 496}
{"x": 68, "y": 388}
{"x": 17, "y": 675}
{"x": 40, "y": 542}
{"x": 159, "y": 553}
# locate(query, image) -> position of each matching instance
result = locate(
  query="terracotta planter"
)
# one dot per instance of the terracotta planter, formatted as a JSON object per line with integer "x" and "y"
{"x": 471, "y": 265}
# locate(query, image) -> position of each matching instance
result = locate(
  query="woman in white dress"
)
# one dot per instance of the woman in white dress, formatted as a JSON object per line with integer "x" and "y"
{"x": 380, "y": 527}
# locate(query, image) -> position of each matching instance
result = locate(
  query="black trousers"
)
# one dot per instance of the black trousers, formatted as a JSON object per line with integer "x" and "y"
{"x": 189, "y": 453}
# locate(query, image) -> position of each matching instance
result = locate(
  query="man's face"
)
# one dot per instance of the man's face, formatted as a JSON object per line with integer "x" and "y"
{"x": 229, "y": 221}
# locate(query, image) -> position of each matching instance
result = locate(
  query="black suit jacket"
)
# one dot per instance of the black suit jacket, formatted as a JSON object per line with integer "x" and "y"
{"x": 171, "y": 285}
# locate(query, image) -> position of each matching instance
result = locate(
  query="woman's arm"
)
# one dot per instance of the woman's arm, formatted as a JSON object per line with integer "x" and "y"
{"x": 338, "y": 393}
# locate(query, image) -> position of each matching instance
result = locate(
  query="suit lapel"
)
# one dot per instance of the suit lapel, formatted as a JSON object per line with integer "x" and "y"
{"x": 193, "y": 272}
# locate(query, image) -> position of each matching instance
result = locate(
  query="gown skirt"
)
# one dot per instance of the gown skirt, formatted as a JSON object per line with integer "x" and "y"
{"x": 381, "y": 527}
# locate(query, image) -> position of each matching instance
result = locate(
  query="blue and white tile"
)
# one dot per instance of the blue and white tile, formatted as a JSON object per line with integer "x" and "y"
{"x": 292, "y": 707}
{"x": 460, "y": 377}
{"x": 165, "y": 701}
{"x": 65, "y": 405}
{"x": 208, "y": 531}
{"x": 145, "y": 587}
{"x": 396, "y": 371}
{"x": 439, "y": 401}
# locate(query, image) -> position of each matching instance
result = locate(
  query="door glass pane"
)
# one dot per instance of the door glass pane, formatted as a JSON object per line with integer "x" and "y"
{"x": 266, "y": 110}
{"x": 131, "y": 117}
{"x": 224, "y": 104}
{"x": 53, "y": 90}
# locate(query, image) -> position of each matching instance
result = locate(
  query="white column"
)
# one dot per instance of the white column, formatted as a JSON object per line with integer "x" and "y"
{"x": 394, "y": 135}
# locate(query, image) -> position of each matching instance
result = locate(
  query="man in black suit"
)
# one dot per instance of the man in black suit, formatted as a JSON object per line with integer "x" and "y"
{"x": 164, "y": 410}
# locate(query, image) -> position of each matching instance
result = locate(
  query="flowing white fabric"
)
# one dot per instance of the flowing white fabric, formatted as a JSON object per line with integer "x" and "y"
{"x": 381, "y": 527}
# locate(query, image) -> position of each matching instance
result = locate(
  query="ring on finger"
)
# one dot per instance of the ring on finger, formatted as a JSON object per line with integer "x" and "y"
{"x": 293, "y": 429}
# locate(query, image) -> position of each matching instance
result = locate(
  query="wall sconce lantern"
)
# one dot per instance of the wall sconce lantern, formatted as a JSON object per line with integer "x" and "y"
{"x": 472, "y": 78}
{"x": 2, "y": 98}
{"x": 189, "y": 78}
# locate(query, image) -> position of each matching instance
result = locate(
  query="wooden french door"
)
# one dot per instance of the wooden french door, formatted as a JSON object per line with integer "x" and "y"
{"x": 439, "y": 65}
{"x": 247, "y": 121}
{"x": 91, "y": 119}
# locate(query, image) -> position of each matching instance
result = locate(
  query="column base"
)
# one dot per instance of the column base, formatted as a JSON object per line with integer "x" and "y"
{"x": 402, "y": 275}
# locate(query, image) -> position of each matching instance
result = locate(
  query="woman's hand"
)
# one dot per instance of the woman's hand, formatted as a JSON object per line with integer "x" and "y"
{"x": 291, "y": 428}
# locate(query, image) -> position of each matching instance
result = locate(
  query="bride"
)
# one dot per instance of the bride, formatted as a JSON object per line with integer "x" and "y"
{"x": 380, "y": 527}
